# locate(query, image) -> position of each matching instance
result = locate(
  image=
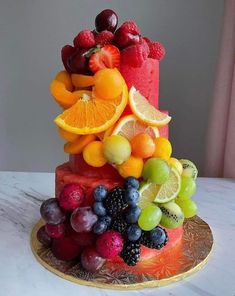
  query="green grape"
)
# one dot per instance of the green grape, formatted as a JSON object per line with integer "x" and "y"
{"x": 149, "y": 217}
{"x": 156, "y": 171}
{"x": 117, "y": 149}
{"x": 188, "y": 207}
{"x": 188, "y": 188}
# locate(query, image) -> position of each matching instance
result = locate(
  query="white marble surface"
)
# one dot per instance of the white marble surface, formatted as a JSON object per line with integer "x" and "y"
{"x": 21, "y": 275}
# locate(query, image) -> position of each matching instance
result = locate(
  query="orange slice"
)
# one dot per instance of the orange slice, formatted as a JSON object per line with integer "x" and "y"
{"x": 106, "y": 133}
{"x": 146, "y": 112}
{"x": 129, "y": 126}
{"x": 67, "y": 135}
{"x": 90, "y": 115}
{"x": 65, "y": 78}
{"x": 80, "y": 80}
{"x": 78, "y": 146}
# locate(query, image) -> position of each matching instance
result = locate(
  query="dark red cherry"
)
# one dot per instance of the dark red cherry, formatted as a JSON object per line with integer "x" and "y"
{"x": 106, "y": 20}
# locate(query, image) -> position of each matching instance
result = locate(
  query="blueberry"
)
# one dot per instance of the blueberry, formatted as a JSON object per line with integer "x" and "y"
{"x": 158, "y": 236}
{"x": 99, "y": 227}
{"x": 100, "y": 193}
{"x": 131, "y": 182}
{"x": 132, "y": 196}
{"x": 106, "y": 219}
{"x": 133, "y": 233}
{"x": 99, "y": 208}
{"x": 132, "y": 214}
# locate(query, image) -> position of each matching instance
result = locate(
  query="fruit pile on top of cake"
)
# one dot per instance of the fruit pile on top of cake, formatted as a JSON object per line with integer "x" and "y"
{"x": 111, "y": 123}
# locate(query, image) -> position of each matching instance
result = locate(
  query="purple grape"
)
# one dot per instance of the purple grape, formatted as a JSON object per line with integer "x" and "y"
{"x": 106, "y": 20}
{"x": 51, "y": 212}
{"x": 43, "y": 237}
{"x": 91, "y": 260}
{"x": 83, "y": 219}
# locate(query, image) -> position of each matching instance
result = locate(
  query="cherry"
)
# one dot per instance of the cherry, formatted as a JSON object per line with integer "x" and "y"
{"x": 106, "y": 20}
{"x": 78, "y": 62}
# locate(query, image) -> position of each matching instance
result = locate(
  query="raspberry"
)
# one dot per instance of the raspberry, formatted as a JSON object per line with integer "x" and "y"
{"x": 135, "y": 55}
{"x": 104, "y": 38}
{"x": 109, "y": 244}
{"x": 131, "y": 27}
{"x": 157, "y": 51}
{"x": 147, "y": 39}
{"x": 128, "y": 34}
{"x": 84, "y": 39}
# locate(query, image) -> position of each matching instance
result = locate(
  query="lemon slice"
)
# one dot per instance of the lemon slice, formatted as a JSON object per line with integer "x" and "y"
{"x": 166, "y": 192}
{"x": 144, "y": 111}
{"x": 147, "y": 193}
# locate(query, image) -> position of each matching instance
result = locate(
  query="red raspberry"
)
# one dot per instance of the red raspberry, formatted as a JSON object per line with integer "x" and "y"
{"x": 84, "y": 39}
{"x": 71, "y": 197}
{"x": 66, "y": 249}
{"x": 128, "y": 34}
{"x": 147, "y": 39}
{"x": 104, "y": 38}
{"x": 135, "y": 55}
{"x": 157, "y": 51}
{"x": 131, "y": 27}
{"x": 109, "y": 244}
{"x": 55, "y": 231}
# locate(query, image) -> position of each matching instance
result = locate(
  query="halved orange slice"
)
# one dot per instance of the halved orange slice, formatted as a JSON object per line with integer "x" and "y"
{"x": 146, "y": 112}
{"x": 90, "y": 115}
{"x": 130, "y": 126}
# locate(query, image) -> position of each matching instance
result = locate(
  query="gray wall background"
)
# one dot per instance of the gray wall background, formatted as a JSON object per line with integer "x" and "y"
{"x": 31, "y": 35}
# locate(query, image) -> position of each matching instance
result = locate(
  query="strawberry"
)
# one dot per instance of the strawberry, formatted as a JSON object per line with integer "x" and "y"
{"x": 104, "y": 38}
{"x": 135, "y": 55}
{"x": 147, "y": 39}
{"x": 157, "y": 51}
{"x": 84, "y": 39}
{"x": 107, "y": 57}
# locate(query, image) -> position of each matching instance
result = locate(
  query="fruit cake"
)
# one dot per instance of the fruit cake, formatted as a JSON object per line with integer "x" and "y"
{"x": 121, "y": 197}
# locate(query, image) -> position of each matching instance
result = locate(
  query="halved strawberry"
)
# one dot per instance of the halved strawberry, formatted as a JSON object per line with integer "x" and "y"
{"x": 107, "y": 57}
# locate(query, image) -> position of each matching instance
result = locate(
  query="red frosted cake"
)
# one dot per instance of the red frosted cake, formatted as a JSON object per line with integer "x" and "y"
{"x": 121, "y": 197}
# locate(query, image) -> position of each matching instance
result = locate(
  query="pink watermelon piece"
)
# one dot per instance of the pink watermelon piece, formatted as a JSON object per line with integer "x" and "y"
{"x": 145, "y": 79}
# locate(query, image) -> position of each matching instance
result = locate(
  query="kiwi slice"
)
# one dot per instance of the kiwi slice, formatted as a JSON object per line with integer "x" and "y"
{"x": 172, "y": 215}
{"x": 189, "y": 169}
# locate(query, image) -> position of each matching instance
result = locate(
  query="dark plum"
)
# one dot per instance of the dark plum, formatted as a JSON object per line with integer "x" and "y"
{"x": 43, "y": 237}
{"x": 51, "y": 212}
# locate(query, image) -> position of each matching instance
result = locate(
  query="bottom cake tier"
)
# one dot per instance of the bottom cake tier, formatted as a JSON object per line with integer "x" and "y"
{"x": 187, "y": 256}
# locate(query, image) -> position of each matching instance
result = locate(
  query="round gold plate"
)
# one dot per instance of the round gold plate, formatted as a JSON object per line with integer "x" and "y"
{"x": 184, "y": 259}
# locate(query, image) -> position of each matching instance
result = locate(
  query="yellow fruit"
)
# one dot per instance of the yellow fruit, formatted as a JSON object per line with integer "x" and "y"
{"x": 132, "y": 167}
{"x": 146, "y": 112}
{"x": 108, "y": 83}
{"x": 67, "y": 135}
{"x": 93, "y": 154}
{"x": 92, "y": 115}
{"x": 117, "y": 149}
{"x": 129, "y": 126}
{"x": 175, "y": 163}
{"x": 163, "y": 148}
{"x": 78, "y": 146}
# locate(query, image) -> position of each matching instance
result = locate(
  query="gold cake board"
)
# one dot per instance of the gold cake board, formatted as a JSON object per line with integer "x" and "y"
{"x": 188, "y": 257}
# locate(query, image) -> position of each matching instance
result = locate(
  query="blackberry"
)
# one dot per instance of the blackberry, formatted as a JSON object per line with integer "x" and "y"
{"x": 159, "y": 243}
{"x": 115, "y": 201}
{"x": 131, "y": 252}
{"x": 119, "y": 224}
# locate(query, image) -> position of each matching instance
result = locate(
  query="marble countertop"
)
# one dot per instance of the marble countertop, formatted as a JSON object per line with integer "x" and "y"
{"x": 21, "y": 275}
